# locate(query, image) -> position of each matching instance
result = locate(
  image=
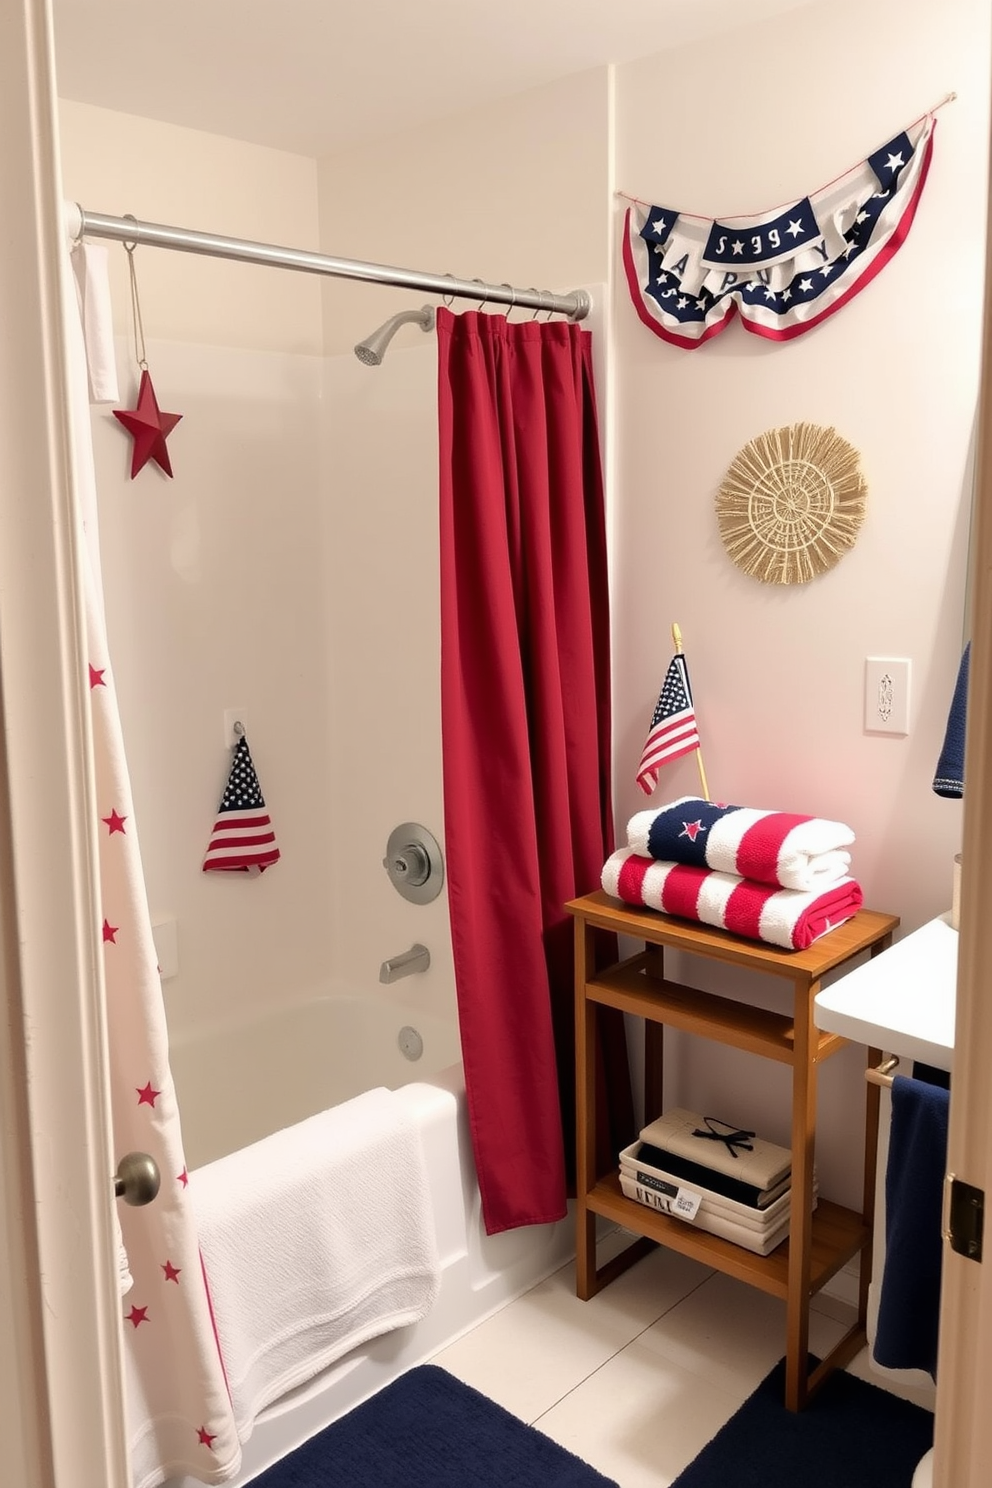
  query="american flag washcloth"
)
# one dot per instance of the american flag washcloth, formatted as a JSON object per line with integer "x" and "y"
{"x": 771, "y": 847}
{"x": 242, "y": 838}
{"x": 782, "y": 917}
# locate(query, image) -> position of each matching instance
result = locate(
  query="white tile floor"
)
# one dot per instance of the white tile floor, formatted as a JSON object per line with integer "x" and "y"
{"x": 639, "y": 1378}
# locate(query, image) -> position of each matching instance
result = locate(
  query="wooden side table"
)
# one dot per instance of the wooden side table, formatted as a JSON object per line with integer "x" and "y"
{"x": 820, "y": 1241}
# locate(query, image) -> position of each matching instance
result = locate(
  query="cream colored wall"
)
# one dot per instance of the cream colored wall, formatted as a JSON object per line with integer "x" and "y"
{"x": 514, "y": 192}
{"x": 774, "y": 112}
{"x": 122, "y": 165}
{"x": 214, "y": 587}
{"x": 290, "y": 567}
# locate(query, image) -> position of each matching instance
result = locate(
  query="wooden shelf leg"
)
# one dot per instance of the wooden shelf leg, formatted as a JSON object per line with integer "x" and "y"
{"x": 585, "y": 1114}
{"x": 800, "y": 1221}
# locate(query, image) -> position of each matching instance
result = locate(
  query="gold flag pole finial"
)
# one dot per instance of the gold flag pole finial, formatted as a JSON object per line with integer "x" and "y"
{"x": 677, "y": 642}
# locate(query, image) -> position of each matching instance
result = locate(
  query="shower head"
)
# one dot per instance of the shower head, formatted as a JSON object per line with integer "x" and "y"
{"x": 372, "y": 350}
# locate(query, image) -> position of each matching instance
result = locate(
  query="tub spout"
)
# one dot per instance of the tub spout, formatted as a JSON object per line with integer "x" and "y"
{"x": 417, "y": 958}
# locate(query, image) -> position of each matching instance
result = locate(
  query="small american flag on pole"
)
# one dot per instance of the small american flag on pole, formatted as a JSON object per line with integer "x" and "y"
{"x": 242, "y": 838}
{"x": 673, "y": 726}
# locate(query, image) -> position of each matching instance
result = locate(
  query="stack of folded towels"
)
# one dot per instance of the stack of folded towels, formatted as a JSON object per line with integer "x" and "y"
{"x": 715, "y": 1176}
{"x": 766, "y": 875}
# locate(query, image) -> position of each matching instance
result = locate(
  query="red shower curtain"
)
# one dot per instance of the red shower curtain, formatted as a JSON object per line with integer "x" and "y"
{"x": 525, "y": 713}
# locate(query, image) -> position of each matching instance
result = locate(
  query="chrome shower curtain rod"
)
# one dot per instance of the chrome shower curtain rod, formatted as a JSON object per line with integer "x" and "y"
{"x": 575, "y": 305}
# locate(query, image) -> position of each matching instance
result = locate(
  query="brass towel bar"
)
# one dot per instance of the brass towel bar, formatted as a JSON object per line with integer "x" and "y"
{"x": 882, "y": 1074}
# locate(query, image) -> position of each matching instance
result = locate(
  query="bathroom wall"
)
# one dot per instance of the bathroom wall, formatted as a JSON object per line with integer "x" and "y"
{"x": 513, "y": 192}
{"x": 290, "y": 567}
{"x": 778, "y": 672}
{"x": 215, "y": 591}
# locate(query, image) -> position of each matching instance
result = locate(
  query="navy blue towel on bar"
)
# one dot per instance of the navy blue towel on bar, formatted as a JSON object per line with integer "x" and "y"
{"x": 949, "y": 777}
{"x": 909, "y": 1302}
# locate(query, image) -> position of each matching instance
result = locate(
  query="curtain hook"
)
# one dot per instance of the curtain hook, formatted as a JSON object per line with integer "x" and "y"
{"x": 513, "y": 297}
{"x": 448, "y": 299}
{"x": 537, "y": 308}
{"x": 485, "y": 297}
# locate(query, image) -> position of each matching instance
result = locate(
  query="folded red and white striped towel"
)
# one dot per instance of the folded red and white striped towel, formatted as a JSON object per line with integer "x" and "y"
{"x": 772, "y": 847}
{"x": 782, "y": 917}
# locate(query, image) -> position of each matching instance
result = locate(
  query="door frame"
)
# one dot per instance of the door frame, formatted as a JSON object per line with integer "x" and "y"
{"x": 963, "y": 1432}
{"x": 64, "y": 1421}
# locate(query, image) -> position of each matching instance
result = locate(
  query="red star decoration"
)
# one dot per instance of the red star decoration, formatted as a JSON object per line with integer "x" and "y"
{"x": 149, "y": 427}
{"x": 110, "y": 932}
{"x": 137, "y": 1316}
{"x": 183, "y": 1178}
{"x": 205, "y": 1436}
{"x": 146, "y": 1095}
{"x": 114, "y": 822}
{"x": 692, "y": 829}
{"x": 172, "y": 1272}
{"x": 96, "y": 676}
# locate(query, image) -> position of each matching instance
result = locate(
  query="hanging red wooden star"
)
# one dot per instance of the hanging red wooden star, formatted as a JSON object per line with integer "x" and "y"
{"x": 149, "y": 427}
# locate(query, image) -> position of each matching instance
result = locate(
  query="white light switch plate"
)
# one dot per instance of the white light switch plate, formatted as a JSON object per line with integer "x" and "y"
{"x": 887, "y": 683}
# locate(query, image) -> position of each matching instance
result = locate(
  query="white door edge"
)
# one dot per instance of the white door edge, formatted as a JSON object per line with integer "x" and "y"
{"x": 55, "y": 1135}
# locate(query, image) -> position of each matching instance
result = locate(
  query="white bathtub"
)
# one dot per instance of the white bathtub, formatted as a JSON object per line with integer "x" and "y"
{"x": 239, "y": 1083}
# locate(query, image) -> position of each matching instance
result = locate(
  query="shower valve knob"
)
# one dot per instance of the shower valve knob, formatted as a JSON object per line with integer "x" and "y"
{"x": 412, "y": 865}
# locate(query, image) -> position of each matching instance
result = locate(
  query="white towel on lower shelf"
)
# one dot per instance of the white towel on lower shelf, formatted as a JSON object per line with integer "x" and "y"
{"x": 315, "y": 1240}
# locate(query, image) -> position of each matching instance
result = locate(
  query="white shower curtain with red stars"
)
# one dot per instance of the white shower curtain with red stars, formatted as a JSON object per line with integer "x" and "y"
{"x": 179, "y": 1415}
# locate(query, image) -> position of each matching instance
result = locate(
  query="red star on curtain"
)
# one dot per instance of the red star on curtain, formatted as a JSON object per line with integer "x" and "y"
{"x": 115, "y": 823}
{"x": 149, "y": 427}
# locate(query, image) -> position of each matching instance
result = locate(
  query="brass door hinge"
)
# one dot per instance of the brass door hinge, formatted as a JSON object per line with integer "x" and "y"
{"x": 965, "y": 1217}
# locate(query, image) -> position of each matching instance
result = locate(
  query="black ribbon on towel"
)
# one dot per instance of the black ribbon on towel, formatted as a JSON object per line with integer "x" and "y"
{"x": 732, "y": 1137}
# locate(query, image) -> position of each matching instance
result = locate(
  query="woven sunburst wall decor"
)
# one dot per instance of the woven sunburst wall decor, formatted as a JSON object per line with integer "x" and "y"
{"x": 791, "y": 504}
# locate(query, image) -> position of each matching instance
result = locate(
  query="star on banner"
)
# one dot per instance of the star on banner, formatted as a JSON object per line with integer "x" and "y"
{"x": 149, "y": 427}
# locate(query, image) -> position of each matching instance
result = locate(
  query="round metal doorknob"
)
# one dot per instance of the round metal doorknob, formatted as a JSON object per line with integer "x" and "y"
{"x": 138, "y": 1178}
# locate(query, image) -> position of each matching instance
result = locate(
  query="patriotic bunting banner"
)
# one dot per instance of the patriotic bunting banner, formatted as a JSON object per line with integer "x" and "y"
{"x": 786, "y": 270}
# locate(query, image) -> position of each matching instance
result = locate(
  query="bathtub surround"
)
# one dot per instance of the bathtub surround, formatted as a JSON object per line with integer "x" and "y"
{"x": 430, "y": 1428}
{"x": 852, "y": 1434}
{"x": 525, "y": 726}
{"x": 179, "y": 1411}
{"x": 316, "y": 1240}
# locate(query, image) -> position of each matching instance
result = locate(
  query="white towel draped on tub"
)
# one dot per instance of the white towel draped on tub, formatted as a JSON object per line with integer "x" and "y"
{"x": 315, "y": 1240}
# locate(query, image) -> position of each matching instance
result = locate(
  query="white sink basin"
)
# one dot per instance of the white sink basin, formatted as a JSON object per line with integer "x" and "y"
{"x": 902, "y": 1001}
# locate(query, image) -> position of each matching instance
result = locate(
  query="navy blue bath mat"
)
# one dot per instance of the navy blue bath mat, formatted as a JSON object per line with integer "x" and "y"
{"x": 851, "y": 1435}
{"x": 429, "y": 1430}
